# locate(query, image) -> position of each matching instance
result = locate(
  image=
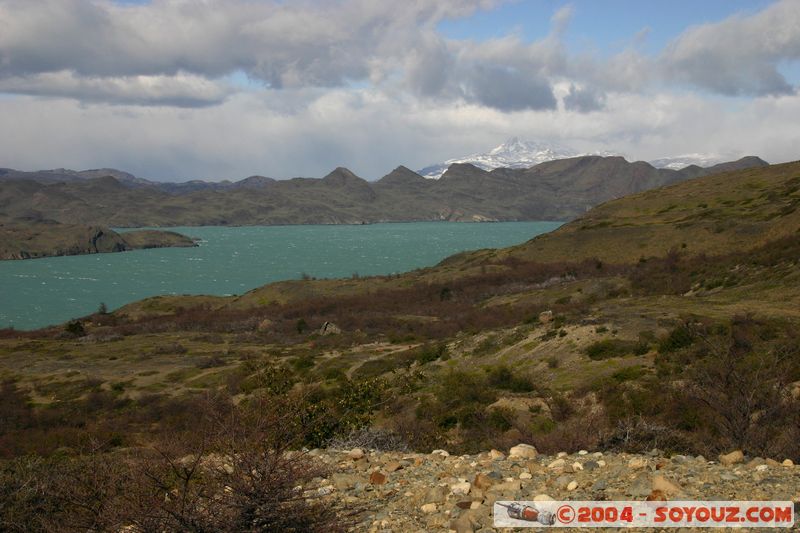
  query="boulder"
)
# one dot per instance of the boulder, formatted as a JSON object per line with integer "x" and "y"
{"x": 668, "y": 488}
{"x": 732, "y": 458}
{"x": 355, "y": 454}
{"x": 377, "y": 478}
{"x": 497, "y": 455}
{"x": 525, "y": 451}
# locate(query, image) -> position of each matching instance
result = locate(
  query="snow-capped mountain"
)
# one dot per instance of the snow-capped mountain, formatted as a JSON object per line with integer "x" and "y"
{"x": 682, "y": 161}
{"x": 514, "y": 153}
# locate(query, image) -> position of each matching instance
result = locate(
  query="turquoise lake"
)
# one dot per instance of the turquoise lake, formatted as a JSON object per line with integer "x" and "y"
{"x": 233, "y": 260}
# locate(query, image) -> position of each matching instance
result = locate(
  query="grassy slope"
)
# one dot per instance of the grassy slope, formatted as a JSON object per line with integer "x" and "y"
{"x": 712, "y": 215}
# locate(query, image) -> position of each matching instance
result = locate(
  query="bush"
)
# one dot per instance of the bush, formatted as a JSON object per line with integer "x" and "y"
{"x": 680, "y": 337}
{"x": 502, "y": 377}
{"x": 233, "y": 473}
{"x": 75, "y": 328}
{"x": 608, "y": 348}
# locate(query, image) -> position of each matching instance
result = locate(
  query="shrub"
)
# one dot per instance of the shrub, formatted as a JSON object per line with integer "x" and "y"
{"x": 75, "y": 328}
{"x": 680, "y": 337}
{"x": 608, "y": 348}
{"x": 502, "y": 377}
{"x": 232, "y": 474}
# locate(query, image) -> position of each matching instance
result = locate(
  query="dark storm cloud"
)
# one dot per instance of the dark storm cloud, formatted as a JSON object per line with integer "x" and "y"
{"x": 508, "y": 89}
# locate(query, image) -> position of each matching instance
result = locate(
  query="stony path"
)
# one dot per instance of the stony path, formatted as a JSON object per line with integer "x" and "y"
{"x": 440, "y": 492}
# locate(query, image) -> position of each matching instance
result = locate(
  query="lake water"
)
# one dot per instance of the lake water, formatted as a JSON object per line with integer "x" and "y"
{"x": 233, "y": 260}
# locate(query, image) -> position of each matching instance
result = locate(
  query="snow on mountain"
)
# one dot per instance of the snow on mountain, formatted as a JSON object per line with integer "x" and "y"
{"x": 519, "y": 153}
{"x": 682, "y": 161}
{"x": 514, "y": 153}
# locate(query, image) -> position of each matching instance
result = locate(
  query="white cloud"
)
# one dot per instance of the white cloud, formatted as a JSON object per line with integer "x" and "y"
{"x": 740, "y": 55}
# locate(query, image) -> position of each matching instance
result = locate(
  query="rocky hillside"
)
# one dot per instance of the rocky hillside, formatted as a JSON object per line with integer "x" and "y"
{"x": 442, "y": 492}
{"x": 555, "y": 190}
{"x": 38, "y": 239}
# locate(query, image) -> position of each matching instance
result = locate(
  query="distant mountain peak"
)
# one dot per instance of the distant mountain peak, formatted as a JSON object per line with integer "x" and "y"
{"x": 513, "y": 153}
{"x": 703, "y": 160}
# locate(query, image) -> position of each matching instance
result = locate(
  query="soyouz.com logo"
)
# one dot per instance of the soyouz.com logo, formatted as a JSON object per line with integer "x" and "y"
{"x": 776, "y": 514}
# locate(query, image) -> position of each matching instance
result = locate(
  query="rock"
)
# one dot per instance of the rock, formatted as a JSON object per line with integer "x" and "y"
{"x": 436, "y": 494}
{"x": 640, "y": 486}
{"x": 577, "y": 467}
{"x": 572, "y": 485}
{"x": 663, "y": 485}
{"x": 392, "y": 466}
{"x": 482, "y": 482}
{"x": 600, "y": 484}
{"x": 461, "y": 488}
{"x": 265, "y": 325}
{"x": 735, "y": 457}
{"x": 558, "y": 463}
{"x": 762, "y": 468}
{"x": 377, "y": 478}
{"x": 787, "y": 462}
{"x": 656, "y": 496}
{"x": 344, "y": 481}
{"x": 773, "y": 462}
{"x": 561, "y": 454}
{"x": 355, "y": 454}
{"x": 526, "y": 475}
{"x": 561, "y": 482}
{"x": 637, "y": 462}
{"x": 754, "y": 462}
{"x": 525, "y": 451}
{"x": 542, "y": 498}
{"x": 462, "y": 524}
{"x": 591, "y": 465}
{"x": 506, "y": 487}
{"x": 583, "y": 452}
{"x": 329, "y": 328}
{"x": 545, "y": 317}
{"x": 497, "y": 455}
{"x": 441, "y": 453}
{"x": 429, "y": 508}
{"x": 601, "y": 463}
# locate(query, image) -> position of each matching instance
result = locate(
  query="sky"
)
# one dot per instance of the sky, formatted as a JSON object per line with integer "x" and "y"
{"x": 225, "y": 89}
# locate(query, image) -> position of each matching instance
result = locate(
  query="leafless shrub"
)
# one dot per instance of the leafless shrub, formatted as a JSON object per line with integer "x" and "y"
{"x": 235, "y": 473}
{"x": 382, "y": 440}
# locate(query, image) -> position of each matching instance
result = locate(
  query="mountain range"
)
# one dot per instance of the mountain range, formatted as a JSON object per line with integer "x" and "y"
{"x": 554, "y": 190}
{"x": 520, "y": 153}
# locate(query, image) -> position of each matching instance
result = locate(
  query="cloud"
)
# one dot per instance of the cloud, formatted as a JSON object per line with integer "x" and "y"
{"x": 370, "y": 133}
{"x": 368, "y": 85}
{"x": 740, "y": 55}
{"x": 102, "y": 51}
{"x": 583, "y": 100}
{"x": 180, "y": 90}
